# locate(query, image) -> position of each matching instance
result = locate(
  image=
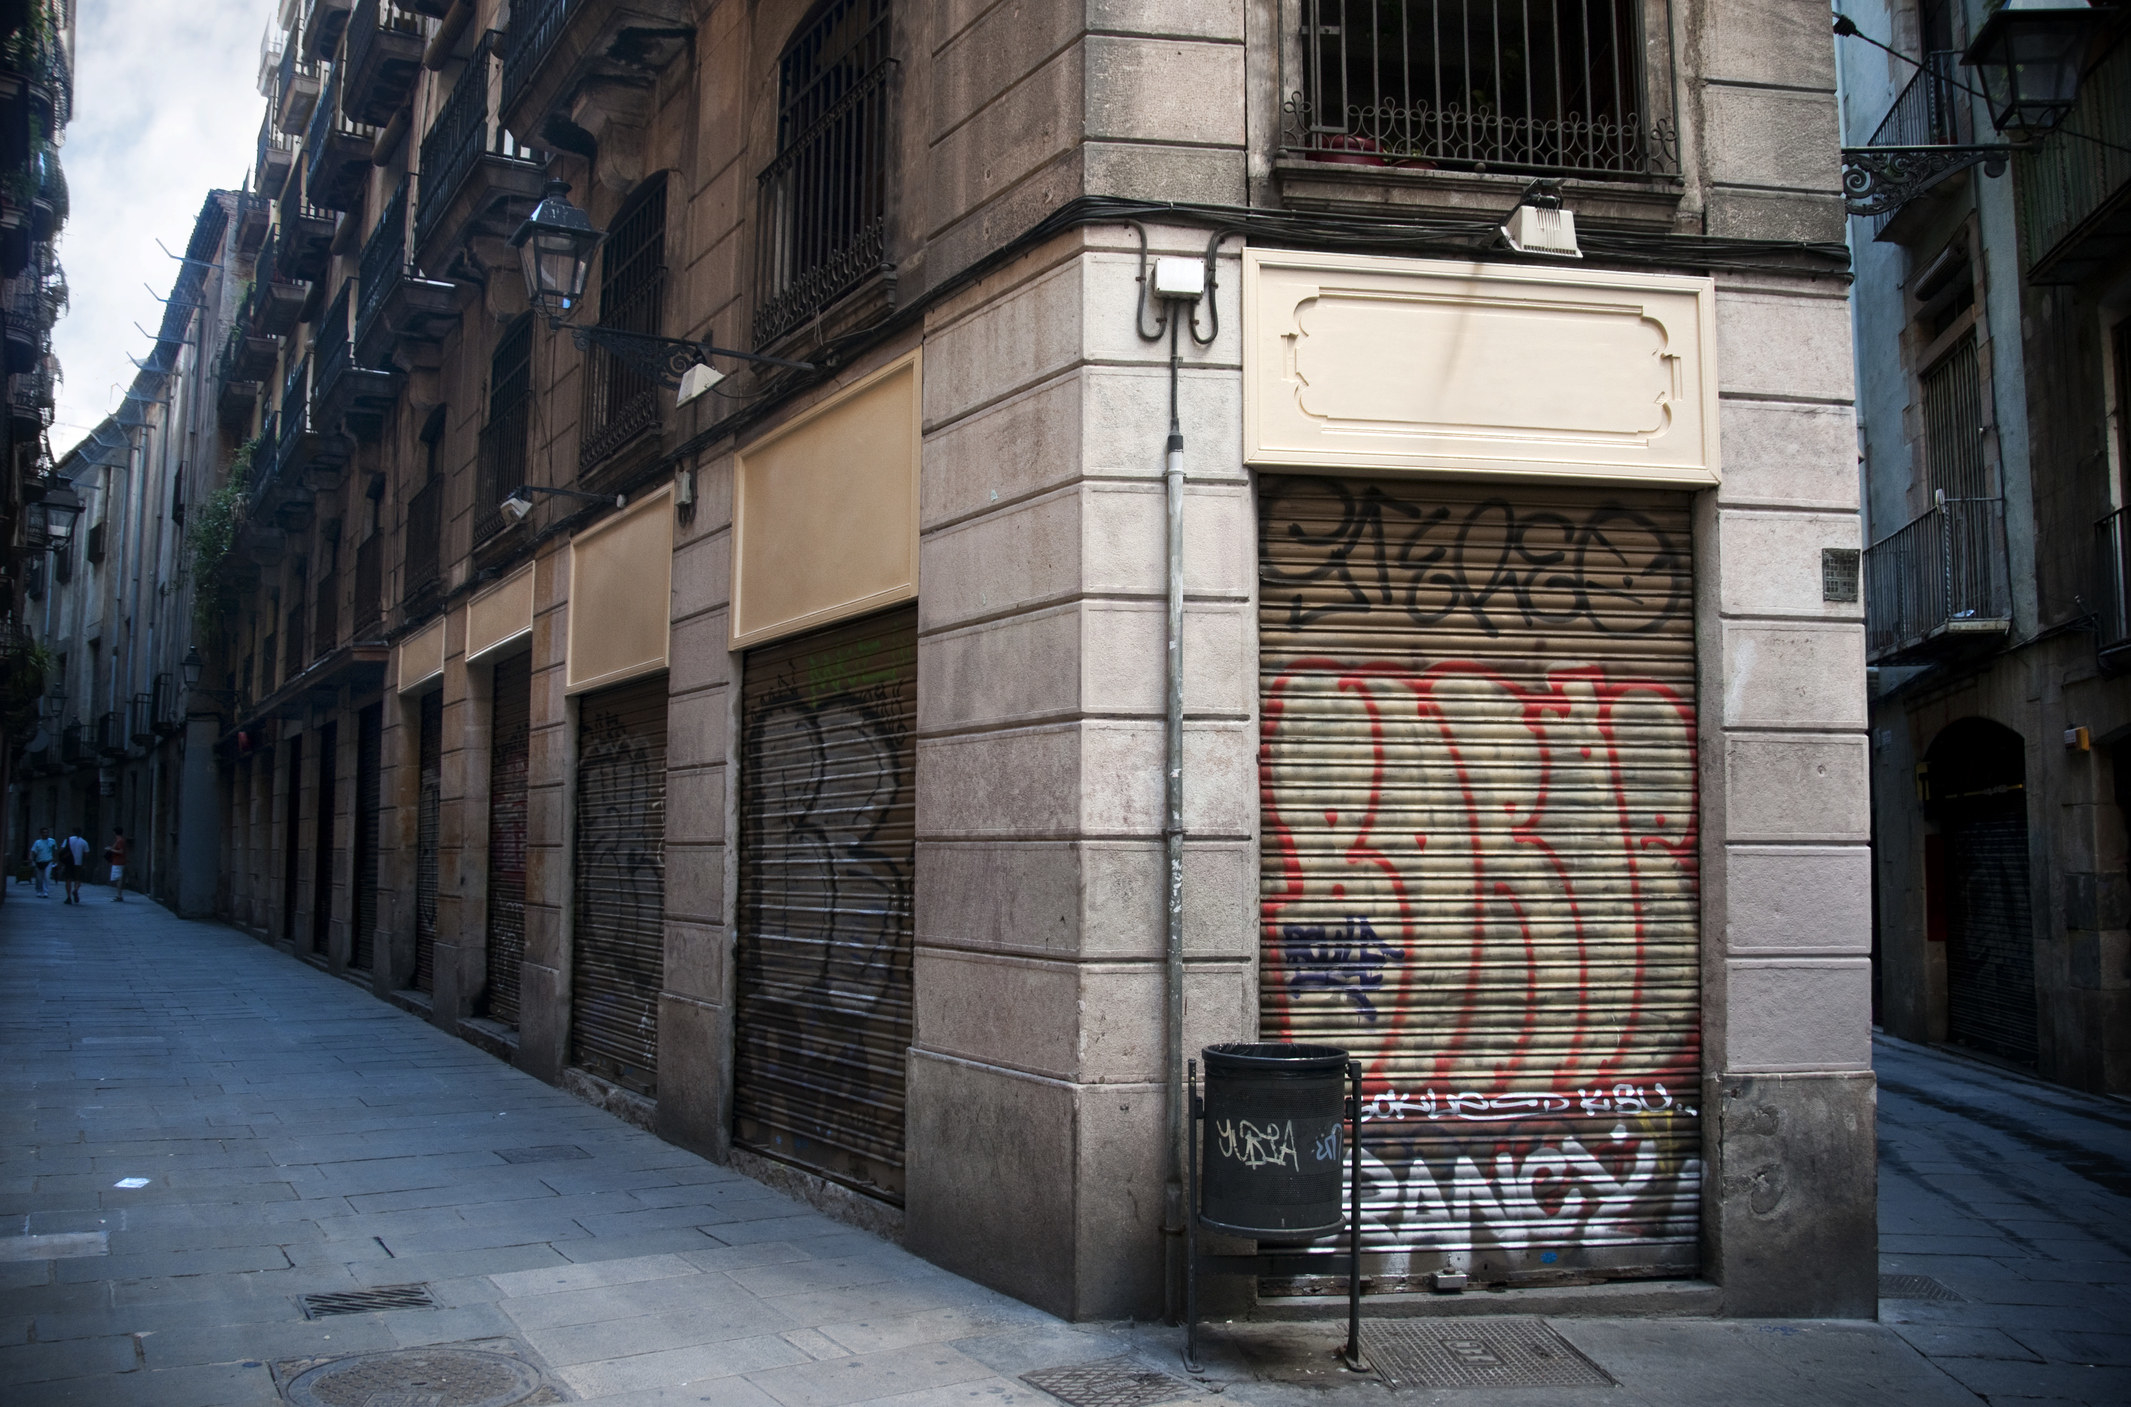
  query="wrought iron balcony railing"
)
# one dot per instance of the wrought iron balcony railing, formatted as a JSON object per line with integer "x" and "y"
{"x": 384, "y": 260}
{"x": 535, "y": 26}
{"x": 822, "y": 201}
{"x": 140, "y": 718}
{"x": 277, "y": 156}
{"x": 384, "y": 57}
{"x": 1548, "y": 87}
{"x": 1938, "y": 585}
{"x": 111, "y": 733}
{"x": 2062, "y": 183}
{"x": 421, "y": 567}
{"x": 369, "y": 584}
{"x": 466, "y": 129}
{"x": 2112, "y": 550}
{"x": 337, "y": 152}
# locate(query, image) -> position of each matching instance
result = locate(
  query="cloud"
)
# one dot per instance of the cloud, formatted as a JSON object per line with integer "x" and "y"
{"x": 165, "y": 107}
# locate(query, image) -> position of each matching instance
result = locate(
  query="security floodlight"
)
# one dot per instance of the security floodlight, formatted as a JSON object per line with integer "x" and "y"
{"x": 2028, "y": 54}
{"x": 697, "y": 381}
{"x": 517, "y": 505}
{"x": 520, "y": 502}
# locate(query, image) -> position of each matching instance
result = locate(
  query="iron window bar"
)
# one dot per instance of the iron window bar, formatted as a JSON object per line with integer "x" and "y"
{"x": 535, "y": 26}
{"x": 504, "y": 437}
{"x": 466, "y": 129}
{"x": 1549, "y": 87}
{"x": 384, "y": 259}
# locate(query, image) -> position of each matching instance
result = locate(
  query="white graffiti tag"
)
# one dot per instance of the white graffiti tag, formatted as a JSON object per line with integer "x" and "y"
{"x": 1474, "y": 1107}
{"x": 1272, "y": 1145}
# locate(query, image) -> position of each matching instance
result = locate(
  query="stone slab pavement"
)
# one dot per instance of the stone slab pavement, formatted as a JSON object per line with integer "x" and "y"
{"x": 199, "y": 1130}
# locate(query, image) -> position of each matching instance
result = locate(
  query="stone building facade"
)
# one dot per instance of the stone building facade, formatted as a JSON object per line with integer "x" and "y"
{"x": 1993, "y": 344}
{"x": 795, "y": 785}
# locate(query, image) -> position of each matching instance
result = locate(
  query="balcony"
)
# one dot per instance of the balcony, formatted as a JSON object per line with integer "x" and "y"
{"x": 561, "y": 48}
{"x": 303, "y": 242}
{"x": 140, "y": 718}
{"x": 398, "y": 304}
{"x": 276, "y": 158}
{"x": 385, "y": 42}
{"x": 246, "y": 362}
{"x": 369, "y": 586}
{"x": 296, "y": 89}
{"x": 111, "y": 734}
{"x": 325, "y": 616}
{"x": 336, "y": 154}
{"x": 478, "y": 181}
{"x": 344, "y": 393}
{"x": 249, "y": 224}
{"x": 305, "y": 447}
{"x": 324, "y": 21}
{"x": 2073, "y": 196}
{"x": 167, "y": 711}
{"x": 1932, "y": 111}
{"x": 30, "y": 398}
{"x": 421, "y": 568}
{"x": 1937, "y": 589}
{"x": 1386, "y": 104}
{"x": 2112, "y": 544}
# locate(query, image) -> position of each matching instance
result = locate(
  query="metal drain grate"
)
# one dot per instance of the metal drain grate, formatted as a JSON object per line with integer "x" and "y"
{"x": 444, "y": 1375}
{"x": 1446, "y": 1353}
{"x": 364, "y": 1301}
{"x": 1113, "y": 1382}
{"x": 1913, "y": 1287}
{"x": 550, "y": 1153}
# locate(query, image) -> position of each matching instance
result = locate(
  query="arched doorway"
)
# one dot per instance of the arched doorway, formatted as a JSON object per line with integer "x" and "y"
{"x": 1976, "y": 793}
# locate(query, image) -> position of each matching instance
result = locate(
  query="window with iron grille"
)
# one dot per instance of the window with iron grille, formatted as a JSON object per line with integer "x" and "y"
{"x": 504, "y": 437}
{"x": 1531, "y": 86}
{"x": 325, "y": 630}
{"x": 621, "y": 398}
{"x": 822, "y": 202}
{"x": 1953, "y": 425}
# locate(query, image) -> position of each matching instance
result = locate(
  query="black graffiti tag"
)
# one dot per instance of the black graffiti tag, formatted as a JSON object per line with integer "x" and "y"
{"x": 1327, "y": 550}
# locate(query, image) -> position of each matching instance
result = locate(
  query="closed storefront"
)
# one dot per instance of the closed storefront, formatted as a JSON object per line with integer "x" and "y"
{"x": 1974, "y": 781}
{"x": 824, "y": 950}
{"x": 510, "y": 719}
{"x": 322, "y": 853}
{"x": 618, "y": 949}
{"x": 428, "y": 819}
{"x": 1478, "y": 860}
{"x": 291, "y": 838}
{"x": 369, "y": 760}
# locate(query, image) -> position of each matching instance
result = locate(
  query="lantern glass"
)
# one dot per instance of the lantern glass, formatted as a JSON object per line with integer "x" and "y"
{"x": 2028, "y": 57}
{"x": 555, "y": 247}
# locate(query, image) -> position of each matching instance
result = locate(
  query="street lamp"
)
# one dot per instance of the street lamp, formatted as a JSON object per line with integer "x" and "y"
{"x": 189, "y": 668}
{"x": 52, "y": 517}
{"x": 555, "y": 247}
{"x": 2028, "y": 55}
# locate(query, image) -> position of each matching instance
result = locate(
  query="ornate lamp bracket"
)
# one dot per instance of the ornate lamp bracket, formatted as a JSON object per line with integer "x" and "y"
{"x": 1880, "y": 180}
{"x": 665, "y": 359}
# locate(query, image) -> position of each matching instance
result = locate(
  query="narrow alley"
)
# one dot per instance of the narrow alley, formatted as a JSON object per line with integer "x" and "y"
{"x": 206, "y": 1137}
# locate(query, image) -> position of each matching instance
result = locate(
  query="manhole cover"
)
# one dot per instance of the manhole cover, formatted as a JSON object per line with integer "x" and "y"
{"x": 1114, "y": 1382}
{"x": 1913, "y": 1287}
{"x": 446, "y": 1375}
{"x": 1443, "y": 1353}
{"x": 365, "y": 1301}
{"x": 548, "y": 1153}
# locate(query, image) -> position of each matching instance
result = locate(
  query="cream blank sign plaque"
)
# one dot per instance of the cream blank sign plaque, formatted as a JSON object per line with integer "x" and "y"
{"x": 1354, "y": 362}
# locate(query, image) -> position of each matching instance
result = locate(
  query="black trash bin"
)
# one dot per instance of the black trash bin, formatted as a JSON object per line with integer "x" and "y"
{"x": 1273, "y": 1140}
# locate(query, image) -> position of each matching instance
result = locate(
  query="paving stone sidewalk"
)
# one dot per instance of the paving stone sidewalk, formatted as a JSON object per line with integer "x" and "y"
{"x": 286, "y": 1134}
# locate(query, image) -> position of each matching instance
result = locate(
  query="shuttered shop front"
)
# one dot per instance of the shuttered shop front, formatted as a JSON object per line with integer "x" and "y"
{"x": 428, "y": 821}
{"x": 827, "y": 849}
{"x": 369, "y": 759}
{"x": 1990, "y": 955}
{"x": 510, "y": 732}
{"x": 619, "y": 959}
{"x": 1478, "y": 861}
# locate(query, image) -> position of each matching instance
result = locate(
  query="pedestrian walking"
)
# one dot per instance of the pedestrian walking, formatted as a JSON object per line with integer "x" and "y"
{"x": 73, "y": 862}
{"x": 115, "y": 852}
{"x": 44, "y": 851}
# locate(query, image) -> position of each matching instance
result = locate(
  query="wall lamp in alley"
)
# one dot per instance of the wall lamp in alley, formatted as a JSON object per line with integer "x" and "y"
{"x": 520, "y": 501}
{"x": 51, "y": 517}
{"x": 2029, "y": 54}
{"x": 189, "y": 669}
{"x": 555, "y": 247}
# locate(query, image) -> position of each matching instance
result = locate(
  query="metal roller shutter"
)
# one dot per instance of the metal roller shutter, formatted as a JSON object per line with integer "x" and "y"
{"x": 1477, "y": 772}
{"x": 369, "y": 766}
{"x": 827, "y": 850}
{"x": 322, "y": 829}
{"x": 510, "y": 733}
{"x": 428, "y": 815}
{"x": 291, "y": 839}
{"x": 619, "y": 949}
{"x": 1990, "y": 949}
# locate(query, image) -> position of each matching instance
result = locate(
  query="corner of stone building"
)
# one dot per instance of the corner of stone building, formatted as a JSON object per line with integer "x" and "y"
{"x": 1794, "y": 1223}
{"x": 695, "y": 1086}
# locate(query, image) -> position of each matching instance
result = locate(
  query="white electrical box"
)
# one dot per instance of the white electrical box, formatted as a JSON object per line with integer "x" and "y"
{"x": 1532, "y": 230}
{"x": 1180, "y": 278}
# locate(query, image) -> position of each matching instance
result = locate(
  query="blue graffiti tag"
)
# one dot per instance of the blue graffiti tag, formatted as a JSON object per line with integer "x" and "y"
{"x": 1349, "y": 957}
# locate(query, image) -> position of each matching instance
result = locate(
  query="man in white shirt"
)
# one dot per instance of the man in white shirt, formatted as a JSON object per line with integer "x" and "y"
{"x": 75, "y": 856}
{"x": 43, "y": 850}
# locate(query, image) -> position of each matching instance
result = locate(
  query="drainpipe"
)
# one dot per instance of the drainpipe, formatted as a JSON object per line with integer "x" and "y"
{"x": 1178, "y": 284}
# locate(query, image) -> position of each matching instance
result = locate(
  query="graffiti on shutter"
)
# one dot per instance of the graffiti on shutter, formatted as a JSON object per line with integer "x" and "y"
{"x": 827, "y": 850}
{"x": 618, "y": 960}
{"x": 1479, "y": 861}
{"x": 369, "y": 766}
{"x": 510, "y": 732}
{"x": 428, "y": 817}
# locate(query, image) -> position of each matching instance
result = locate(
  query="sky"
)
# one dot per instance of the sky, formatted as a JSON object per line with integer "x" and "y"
{"x": 165, "y": 107}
